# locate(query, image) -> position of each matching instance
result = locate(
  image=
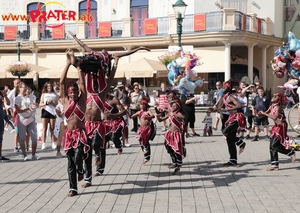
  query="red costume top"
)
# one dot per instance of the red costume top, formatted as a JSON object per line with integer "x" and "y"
{"x": 175, "y": 139}
{"x": 113, "y": 125}
{"x": 144, "y": 131}
{"x": 71, "y": 138}
{"x": 238, "y": 116}
{"x": 279, "y": 130}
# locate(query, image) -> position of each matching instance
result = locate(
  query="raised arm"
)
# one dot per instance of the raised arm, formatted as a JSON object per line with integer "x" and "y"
{"x": 62, "y": 81}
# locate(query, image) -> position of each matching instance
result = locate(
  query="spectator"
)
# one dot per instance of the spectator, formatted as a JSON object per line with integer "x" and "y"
{"x": 207, "y": 120}
{"x": 260, "y": 103}
{"x": 56, "y": 87}
{"x": 135, "y": 98}
{"x": 250, "y": 92}
{"x": 188, "y": 106}
{"x": 3, "y": 96}
{"x": 26, "y": 120}
{"x": 219, "y": 95}
{"x": 144, "y": 91}
{"x": 48, "y": 103}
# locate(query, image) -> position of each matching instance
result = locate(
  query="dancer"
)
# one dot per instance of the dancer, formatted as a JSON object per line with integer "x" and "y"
{"x": 147, "y": 131}
{"x": 174, "y": 137}
{"x": 234, "y": 123}
{"x": 278, "y": 133}
{"x": 97, "y": 87}
{"x": 75, "y": 138}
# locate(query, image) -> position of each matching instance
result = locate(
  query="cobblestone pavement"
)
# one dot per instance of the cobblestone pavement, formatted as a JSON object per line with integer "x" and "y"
{"x": 203, "y": 184}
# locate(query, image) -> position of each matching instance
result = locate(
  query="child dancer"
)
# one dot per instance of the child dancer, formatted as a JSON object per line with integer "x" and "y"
{"x": 208, "y": 124}
{"x": 147, "y": 130}
{"x": 174, "y": 137}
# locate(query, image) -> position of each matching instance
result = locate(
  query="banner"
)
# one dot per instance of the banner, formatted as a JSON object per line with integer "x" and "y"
{"x": 199, "y": 22}
{"x": 258, "y": 25}
{"x": 104, "y": 29}
{"x": 244, "y": 21}
{"x": 150, "y": 26}
{"x": 10, "y": 32}
{"x": 58, "y": 32}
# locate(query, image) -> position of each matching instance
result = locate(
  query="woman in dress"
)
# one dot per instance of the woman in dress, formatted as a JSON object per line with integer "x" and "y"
{"x": 48, "y": 103}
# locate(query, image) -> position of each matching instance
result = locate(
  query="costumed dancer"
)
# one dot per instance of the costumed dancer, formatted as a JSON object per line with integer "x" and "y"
{"x": 174, "y": 137}
{"x": 97, "y": 88}
{"x": 74, "y": 141}
{"x": 147, "y": 130}
{"x": 234, "y": 123}
{"x": 278, "y": 134}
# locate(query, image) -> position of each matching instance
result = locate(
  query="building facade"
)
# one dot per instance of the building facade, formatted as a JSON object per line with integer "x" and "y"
{"x": 234, "y": 38}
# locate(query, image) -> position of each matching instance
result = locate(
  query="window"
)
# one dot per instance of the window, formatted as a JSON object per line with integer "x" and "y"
{"x": 92, "y": 27}
{"x": 43, "y": 31}
{"x": 139, "y": 12}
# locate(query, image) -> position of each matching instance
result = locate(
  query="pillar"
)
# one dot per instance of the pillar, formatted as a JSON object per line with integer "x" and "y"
{"x": 250, "y": 62}
{"x": 227, "y": 74}
{"x": 81, "y": 30}
{"x": 229, "y": 19}
{"x": 127, "y": 27}
{"x": 264, "y": 67}
{"x": 34, "y": 31}
{"x": 172, "y": 24}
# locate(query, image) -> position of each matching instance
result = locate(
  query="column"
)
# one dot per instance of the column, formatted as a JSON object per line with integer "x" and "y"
{"x": 81, "y": 30}
{"x": 127, "y": 27}
{"x": 250, "y": 61}
{"x": 264, "y": 66}
{"x": 229, "y": 19}
{"x": 227, "y": 74}
{"x": 34, "y": 31}
{"x": 172, "y": 24}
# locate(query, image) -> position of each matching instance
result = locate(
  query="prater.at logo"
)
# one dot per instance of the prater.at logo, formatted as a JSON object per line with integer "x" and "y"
{"x": 40, "y": 16}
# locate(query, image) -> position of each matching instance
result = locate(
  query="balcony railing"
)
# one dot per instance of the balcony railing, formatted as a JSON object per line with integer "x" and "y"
{"x": 213, "y": 22}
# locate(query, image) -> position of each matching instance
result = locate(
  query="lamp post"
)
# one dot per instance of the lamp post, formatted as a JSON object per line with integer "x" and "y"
{"x": 19, "y": 40}
{"x": 179, "y": 10}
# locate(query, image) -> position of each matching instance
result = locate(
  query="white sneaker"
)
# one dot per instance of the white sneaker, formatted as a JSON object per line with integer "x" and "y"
{"x": 43, "y": 146}
{"x": 6, "y": 129}
{"x": 54, "y": 145}
{"x": 127, "y": 145}
{"x": 297, "y": 127}
{"x": 12, "y": 131}
{"x": 25, "y": 158}
{"x": 35, "y": 157}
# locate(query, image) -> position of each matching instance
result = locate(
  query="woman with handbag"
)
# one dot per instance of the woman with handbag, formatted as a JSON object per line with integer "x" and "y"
{"x": 135, "y": 97}
{"x": 26, "y": 120}
{"x": 48, "y": 103}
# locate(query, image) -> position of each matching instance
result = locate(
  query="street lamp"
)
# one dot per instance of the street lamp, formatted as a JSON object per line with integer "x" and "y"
{"x": 19, "y": 40}
{"x": 179, "y": 10}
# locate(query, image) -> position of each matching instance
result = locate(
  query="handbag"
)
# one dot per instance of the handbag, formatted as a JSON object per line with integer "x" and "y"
{"x": 26, "y": 121}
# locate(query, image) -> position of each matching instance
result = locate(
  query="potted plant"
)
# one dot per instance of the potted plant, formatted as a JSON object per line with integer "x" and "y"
{"x": 19, "y": 68}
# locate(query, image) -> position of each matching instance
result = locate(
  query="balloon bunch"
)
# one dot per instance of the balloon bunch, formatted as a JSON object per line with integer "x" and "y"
{"x": 181, "y": 76}
{"x": 287, "y": 57}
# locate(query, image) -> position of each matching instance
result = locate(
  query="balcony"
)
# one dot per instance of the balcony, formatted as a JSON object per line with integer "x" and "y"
{"x": 220, "y": 21}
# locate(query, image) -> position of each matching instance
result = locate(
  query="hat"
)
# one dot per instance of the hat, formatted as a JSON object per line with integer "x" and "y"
{"x": 120, "y": 84}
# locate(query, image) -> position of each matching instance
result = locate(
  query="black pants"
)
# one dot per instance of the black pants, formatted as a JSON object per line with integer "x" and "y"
{"x": 176, "y": 158}
{"x": 275, "y": 147}
{"x": 147, "y": 151}
{"x": 115, "y": 137}
{"x": 135, "y": 120}
{"x": 224, "y": 119}
{"x": 75, "y": 165}
{"x": 232, "y": 140}
{"x": 95, "y": 144}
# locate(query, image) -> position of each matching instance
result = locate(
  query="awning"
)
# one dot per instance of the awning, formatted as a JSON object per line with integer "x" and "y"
{"x": 212, "y": 59}
{"x": 56, "y": 72}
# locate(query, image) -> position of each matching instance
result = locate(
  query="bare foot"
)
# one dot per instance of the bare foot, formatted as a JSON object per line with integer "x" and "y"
{"x": 97, "y": 174}
{"x": 80, "y": 177}
{"x": 176, "y": 171}
{"x": 72, "y": 57}
{"x": 272, "y": 168}
{"x": 72, "y": 193}
{"x": 171, "y": 166}
{"x": 59, "y": 155}
{"x": 86, "y": 184}
{"x": 242, "y": 148}
{"x": 98, "y": 161}
{"x": 293, "y": 158}
{"x": 144, "y": 162}
{"x": 120, "y": 151}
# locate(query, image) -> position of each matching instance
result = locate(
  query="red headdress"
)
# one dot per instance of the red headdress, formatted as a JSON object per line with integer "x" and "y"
{"x": 228, "y": 84}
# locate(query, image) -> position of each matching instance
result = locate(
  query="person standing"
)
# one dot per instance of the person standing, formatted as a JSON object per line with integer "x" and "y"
{"x": 26, "y": 120}
{"x": 278, "y": 134}
{"x": 48, "y": 102}
{"x": 219, "y": 95}
{"x": 260, "y": 103}
{"x": 4, "y": 96}
{"x": 188, "y": 107}
{"x": 233, "y": 123}
{"x": 250, "y": 92}
{"x": 136, "y": 96}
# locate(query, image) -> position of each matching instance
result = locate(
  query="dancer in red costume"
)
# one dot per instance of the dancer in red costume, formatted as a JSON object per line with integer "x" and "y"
{"x": 74, "y": 141}
{"x": 278, "y": 133}
{"x": 174, "y": 137}
{"x": 147, "y": 130}
{"x": 234, "y": 122}
{"x": 98, "y": 86}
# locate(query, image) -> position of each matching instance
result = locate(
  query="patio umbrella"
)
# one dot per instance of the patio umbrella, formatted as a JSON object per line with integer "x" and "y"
{"x": 35, "y": 69}
{"x": 142, "y": 68}
{"x": 56, "y": 72}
